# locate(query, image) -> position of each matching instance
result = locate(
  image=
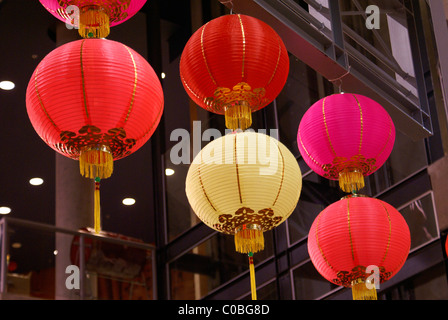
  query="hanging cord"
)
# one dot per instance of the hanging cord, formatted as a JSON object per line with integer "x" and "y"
{"x": 253, "y": 285}
{"x": 224, "y": 2}
{"x": 340, "y": 79}
{"x": 97, "y": 209}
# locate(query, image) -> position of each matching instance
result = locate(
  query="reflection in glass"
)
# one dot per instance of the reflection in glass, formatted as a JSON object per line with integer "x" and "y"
{"x": 37, "y": 269}
{"x": 387, "y": 45}
{"x": 211, "y": 264}
{"x": 180, "y": 217}
{"x": 317, "y": 194}
{"x": 309, "y": 284}
{"x": 407, "y": 157}
{"x": 429, "y": 285}
{"x": 421, "y": 219}
{"x": 30, "y": 268}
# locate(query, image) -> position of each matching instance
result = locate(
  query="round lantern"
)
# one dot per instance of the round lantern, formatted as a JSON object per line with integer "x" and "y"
{"x": 243, "y": 184}
{"x": 96, "y": 101}
{"x": 93, "y": 18}
{"x": 359, "y": 242}
{"x": 234, "y": 65}
{"x": 346, "y": 137}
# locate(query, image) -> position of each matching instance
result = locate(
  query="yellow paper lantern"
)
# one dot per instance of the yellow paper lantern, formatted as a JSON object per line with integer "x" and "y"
{"x": 243, "y": 184}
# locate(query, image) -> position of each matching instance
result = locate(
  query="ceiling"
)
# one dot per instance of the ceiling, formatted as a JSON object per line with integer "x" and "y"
{"x": 27, "y": 33}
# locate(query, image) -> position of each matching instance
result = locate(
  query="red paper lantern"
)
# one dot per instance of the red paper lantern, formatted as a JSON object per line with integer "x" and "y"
{"x": 234, "y": 65}
{"x": 346, "y": 137}
{"x": 96, "y": 101}
{"x": 355, "y": 236}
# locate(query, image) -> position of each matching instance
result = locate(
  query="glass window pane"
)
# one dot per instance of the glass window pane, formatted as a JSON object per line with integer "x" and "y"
{"x": 421, "y": 219}
{"x": 319, "y": 9}
{"x": 179, "y": 214}
{"x": 429, "y": 285}
{"x": 300, "y": 221}
{"x": 304, "y": 87}
{"x": 266, "y": 292}
{"x": 117, "y": 271}
{"x": 211, "y": 264}
{"x": 30, "y": 263}
{"x": 382, "y": 39}
{"x": 38, "y": 259}
{"x": 407, "y": 157}
{"x": 317, "y": 193}
{"x": 309, "y": 284}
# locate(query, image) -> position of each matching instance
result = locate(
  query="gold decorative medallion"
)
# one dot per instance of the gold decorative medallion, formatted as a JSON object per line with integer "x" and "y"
{"x": 339, "y": 164}
{"x": 345, "y": 278}
{"x": 116, "y": 10}
{"x": 115, "y": 139}
{"x": 265, "y": 218}
{"x": 240, "y": 93}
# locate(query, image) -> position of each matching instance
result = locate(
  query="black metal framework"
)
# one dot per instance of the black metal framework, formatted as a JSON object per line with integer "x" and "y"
{"x": 420, "y": 118}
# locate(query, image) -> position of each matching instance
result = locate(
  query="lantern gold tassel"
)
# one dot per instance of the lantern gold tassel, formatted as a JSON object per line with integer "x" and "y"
{"x": 253, "y": 285}
{"x": 93, "y": 22}
{"x": 351, "y": 180}
{"x": 249, "y": 238}
{"x": 97, "y": 207}
{"x": 96, "y": 162}
{"x": 238, "y": 116}
{"x": 360, "y": 291}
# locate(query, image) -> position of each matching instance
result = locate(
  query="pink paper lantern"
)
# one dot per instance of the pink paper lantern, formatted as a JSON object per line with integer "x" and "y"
{"x": 93, "y": 17}
{"x": 346, "y": 137}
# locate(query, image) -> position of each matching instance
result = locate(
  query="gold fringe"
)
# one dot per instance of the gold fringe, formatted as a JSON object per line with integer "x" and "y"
{"x": 238, "y": 116}
{"x": 97, "y": 208}
{"x": 93, "y": 22}
{"x": 351, "y": 180}
{"x": 253, "y": 285}
{"x": 361, "y": 292}
{"x": 96, "y": 162}
{"x": 249, "y": 239}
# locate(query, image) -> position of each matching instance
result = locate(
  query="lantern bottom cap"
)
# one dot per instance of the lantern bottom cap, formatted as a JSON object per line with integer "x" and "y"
{"x": 249, "y": 238}
{"x": 93, "y": 22}
{"x": 96, "y": 162}
{"x": 238, "y": 116}
{"x": 361, "y": 290}
{"x": 351, "y": 180}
